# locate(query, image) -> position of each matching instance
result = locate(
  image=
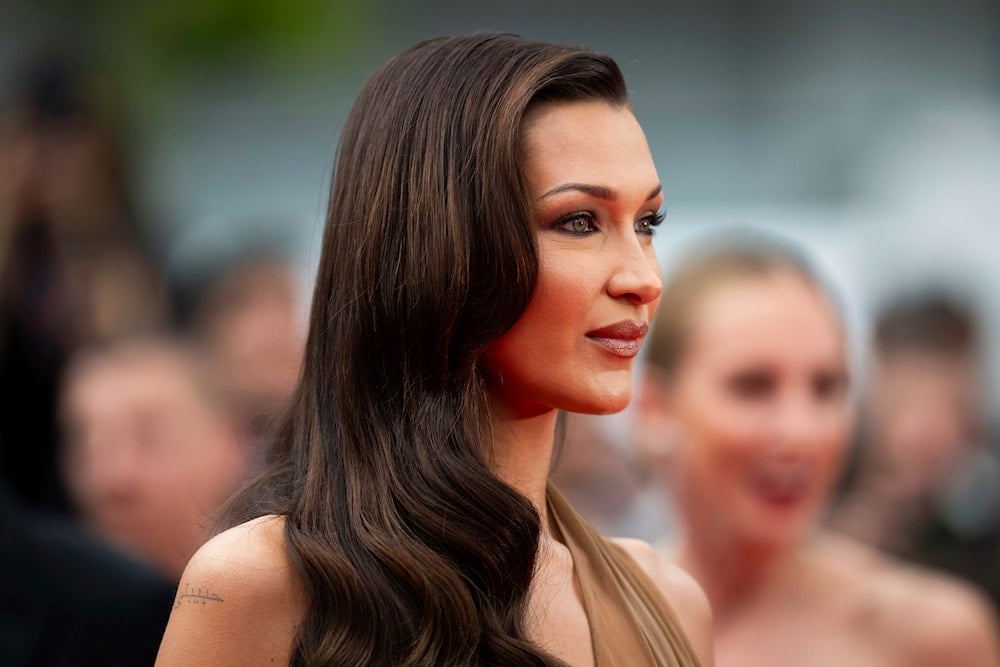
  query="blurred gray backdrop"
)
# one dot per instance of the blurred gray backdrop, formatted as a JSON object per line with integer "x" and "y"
{"x": 869, "y": 131}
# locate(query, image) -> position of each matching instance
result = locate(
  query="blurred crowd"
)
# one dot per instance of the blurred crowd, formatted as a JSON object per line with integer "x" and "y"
{"x": 135, "y": 397}
{"x": 135, "y": 400}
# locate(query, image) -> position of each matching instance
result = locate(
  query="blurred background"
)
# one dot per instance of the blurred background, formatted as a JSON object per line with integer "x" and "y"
{"x": 871, "y": 127}
{"x": 168, "y": 164}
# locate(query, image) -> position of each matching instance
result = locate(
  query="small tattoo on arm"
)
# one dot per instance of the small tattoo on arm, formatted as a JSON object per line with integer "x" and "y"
{"x": 192, "y": 595}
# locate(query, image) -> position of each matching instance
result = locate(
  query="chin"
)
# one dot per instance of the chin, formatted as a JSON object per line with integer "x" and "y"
{"x": 611, "y": 408}
{"x": 777, "y": 534}
{"x": 755, "y": 526}
{"x": 604, "y": 401}
{"x": 775, "y": 538}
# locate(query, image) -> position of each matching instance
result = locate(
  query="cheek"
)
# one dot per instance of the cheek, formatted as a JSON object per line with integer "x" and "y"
{"x": 564, "y": 289}
{"x": 725, "y": 453}
{"x": 834, "y": 432}
{"x": 552, "y": 323}
{"x": 721, "y": 441}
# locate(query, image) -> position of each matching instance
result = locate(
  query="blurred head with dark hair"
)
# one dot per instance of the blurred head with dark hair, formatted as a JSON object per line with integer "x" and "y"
{"x": 926, "y": 396}
{"x": 74, "y": 169}
{"x": 250, "y": 317}
{"x": 73, "y": 267}
{"x": 932, "y": 323}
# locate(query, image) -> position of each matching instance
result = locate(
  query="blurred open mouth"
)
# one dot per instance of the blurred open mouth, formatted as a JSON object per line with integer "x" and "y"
{"x": 782, "y": 488}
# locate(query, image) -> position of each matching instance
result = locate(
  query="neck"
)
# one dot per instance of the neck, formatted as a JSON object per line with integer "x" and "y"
{"x": 523, "y": 455}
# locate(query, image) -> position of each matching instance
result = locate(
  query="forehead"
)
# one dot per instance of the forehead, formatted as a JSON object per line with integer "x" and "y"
{"x": 129, "y": 379}
{"x": 778, "y": 317}
{"x": 910, "y": 367}
{"x": 587, "y": 142}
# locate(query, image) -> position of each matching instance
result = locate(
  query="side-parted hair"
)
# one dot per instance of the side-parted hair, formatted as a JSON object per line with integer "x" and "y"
{"x": 411, "y": 550}
{"x": 726, "y": 258}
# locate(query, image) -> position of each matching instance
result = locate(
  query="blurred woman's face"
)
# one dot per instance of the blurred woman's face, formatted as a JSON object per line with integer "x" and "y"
{"x": 596, "y": 200}
{"x": 760, "y": 404}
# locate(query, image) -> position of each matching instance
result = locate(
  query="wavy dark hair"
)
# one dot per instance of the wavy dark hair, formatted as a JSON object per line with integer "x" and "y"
{"x": 411, "y": 549}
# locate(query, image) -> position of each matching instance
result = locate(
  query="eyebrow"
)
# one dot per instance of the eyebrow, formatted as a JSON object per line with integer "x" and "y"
{"x": 598, "y": 191}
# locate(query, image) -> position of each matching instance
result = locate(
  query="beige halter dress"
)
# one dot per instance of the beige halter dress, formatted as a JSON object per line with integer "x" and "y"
{"x": 631, "y": 625}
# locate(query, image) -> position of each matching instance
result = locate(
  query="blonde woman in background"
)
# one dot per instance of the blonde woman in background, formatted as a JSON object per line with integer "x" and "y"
{"x": 747, "y": 382}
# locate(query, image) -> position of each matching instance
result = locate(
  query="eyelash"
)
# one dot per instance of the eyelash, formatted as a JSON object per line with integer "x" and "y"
{"x": 648, "y": 223}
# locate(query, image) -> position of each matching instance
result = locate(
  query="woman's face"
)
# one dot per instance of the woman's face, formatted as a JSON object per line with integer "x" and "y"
{"x": 760, "y": 406}
{"x": 596, "y": 199}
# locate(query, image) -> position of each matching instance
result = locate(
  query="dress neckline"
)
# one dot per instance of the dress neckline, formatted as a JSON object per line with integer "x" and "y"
{"x": 586, "y": 594}
{"x": 631, "y": 623}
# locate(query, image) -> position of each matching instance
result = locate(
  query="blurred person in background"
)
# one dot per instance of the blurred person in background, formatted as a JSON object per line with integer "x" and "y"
{"x": 151, "y": 448}
{"x": 66, "y": 599}
{"x": 590, "y": 469}
{"x": 73, "y": 268}
{"x": 926, "y": 482}
{"x": 597, "y": 472}
{"x": 247, "y": 313}
{"x": 748, "y": 375}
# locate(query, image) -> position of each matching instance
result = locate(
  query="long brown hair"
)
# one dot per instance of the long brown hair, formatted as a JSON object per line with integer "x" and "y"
{"x": 411, "y": 549}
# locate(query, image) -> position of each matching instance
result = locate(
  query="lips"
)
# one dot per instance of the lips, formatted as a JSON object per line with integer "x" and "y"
{"x": 620, "y": 339}
{"x": 782, "y": 488}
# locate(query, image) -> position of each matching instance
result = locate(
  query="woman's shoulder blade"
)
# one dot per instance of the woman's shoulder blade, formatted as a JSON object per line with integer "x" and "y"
{"x": 239, "y": 600}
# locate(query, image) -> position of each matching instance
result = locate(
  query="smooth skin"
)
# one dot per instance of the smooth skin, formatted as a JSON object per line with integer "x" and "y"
{"x": 760, "y": 409}
{"x": 596, "y": 196}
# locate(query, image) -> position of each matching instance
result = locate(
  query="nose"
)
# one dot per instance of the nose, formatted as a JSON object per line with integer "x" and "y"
{"x": 799, "y": 425}
{"x": 636, "y": 277}
{"x": 111, "y": 472}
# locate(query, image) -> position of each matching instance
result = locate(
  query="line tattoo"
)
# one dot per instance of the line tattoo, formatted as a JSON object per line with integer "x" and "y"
{"x": 199, "y": 595}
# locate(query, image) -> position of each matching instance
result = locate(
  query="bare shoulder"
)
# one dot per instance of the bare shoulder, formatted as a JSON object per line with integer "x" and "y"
{"x": 948, "y": 621}
{"x": 924, "y": 617}
{"x": 679, "y": 587}
{"x": 682, "y": 592}
{"x": 238, "y": 601}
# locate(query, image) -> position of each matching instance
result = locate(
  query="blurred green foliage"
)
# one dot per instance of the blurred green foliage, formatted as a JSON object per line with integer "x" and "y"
{"x": 150, "y": 46}
{"x": 197, "y": 33}
{"x": 180, "y": 34}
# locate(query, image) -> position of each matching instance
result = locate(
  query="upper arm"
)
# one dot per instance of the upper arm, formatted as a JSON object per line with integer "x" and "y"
{"x": 238, "y": 602}
{"x": 683, "y": 593}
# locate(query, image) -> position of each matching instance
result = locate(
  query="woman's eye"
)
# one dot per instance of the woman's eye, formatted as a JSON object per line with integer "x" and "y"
{"x": 829, "y": 385}
{"x": 753, "y": 385}
{"x": 578, "y": 223}
{"x": 648, "y": 224}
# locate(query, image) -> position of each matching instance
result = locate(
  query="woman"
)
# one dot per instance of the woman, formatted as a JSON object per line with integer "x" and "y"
{"x": 748, "y": 374}
{"x": 487, "y": 262}
{"x": 73, "y": 266}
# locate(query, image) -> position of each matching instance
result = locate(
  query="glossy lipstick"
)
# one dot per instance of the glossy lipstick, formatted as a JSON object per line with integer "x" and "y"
{"x": 621, "y": 339}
